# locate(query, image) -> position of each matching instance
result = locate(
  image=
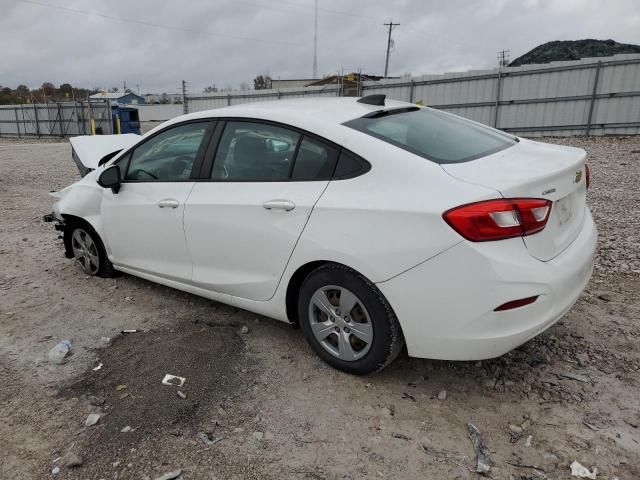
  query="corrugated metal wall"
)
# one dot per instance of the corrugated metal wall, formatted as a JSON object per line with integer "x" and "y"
{"x": 54, "y": 119}
{"x": 592, "y": 95}
{"x": 199, "y": 103}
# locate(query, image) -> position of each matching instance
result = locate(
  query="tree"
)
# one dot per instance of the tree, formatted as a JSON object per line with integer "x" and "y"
{"x": 66, "y": 91}
{"x": 262, "y": 82}
{"x": 48, "y": 89}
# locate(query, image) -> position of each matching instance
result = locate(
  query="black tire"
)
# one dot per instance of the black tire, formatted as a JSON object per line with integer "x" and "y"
{"x": 387, "y": 335}
{"x": 105, "y": 267}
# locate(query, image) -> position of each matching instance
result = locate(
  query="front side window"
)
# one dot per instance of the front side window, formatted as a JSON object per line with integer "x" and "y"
{"x": 434, "y": 135}
{"x": 255, "y": 151}
{"x": 168, "y": 156}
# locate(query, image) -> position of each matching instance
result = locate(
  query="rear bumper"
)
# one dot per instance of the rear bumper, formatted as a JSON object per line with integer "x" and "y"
{"x": 446, "y": 305}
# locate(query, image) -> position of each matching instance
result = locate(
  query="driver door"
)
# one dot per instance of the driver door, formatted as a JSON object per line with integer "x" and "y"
{"x": 143, "y": 222}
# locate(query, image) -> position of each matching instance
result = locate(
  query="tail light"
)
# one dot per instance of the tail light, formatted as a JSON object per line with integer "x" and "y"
{"x": 587, "y": 175}
{"x": 499, "y": 219}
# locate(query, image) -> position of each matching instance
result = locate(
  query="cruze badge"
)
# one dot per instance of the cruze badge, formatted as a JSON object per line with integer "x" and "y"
{"x": 578, "y": 176}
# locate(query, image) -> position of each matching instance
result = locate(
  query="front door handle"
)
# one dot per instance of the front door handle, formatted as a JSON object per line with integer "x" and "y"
{"x": 285, "y": 205}
{"x": 168, "y": 203}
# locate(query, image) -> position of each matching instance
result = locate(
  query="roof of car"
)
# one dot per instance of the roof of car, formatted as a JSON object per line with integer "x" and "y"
{"x": 306, "y": 113}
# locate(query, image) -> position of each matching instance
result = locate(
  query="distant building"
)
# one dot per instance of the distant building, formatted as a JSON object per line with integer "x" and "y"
{"x": 155, "y": 98}
{"x": 123, "y": 98}
{"x": 349, "y": 82}
{"x": 291, "y": 83}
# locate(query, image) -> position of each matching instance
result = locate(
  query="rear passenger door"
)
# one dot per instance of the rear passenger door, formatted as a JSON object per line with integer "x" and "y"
{"x": 242, "y": 222}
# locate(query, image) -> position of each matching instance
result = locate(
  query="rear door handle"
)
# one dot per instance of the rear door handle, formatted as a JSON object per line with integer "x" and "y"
{"x": 168, "y": 203}
{"x": 285, "y": 205}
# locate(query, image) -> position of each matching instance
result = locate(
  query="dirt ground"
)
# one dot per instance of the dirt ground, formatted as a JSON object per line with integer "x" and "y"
{"x": 261, "y": 405}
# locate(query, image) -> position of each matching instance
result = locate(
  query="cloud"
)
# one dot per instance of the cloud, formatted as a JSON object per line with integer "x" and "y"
{"x": 157, "y": 44}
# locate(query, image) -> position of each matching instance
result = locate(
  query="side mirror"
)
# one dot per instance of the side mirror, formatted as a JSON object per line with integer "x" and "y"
{"x": 110, "y": 178}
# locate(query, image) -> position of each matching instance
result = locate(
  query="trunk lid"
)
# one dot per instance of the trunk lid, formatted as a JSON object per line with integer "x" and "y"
{"x": 536, "y": 170}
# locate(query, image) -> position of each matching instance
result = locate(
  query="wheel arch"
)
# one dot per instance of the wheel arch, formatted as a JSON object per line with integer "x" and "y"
{"x": 70, "y": 221}
{"x": 297, "y": 279}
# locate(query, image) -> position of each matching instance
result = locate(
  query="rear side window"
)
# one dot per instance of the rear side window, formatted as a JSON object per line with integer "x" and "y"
{"x": 315, "y": 161}
{"x": 434, "y": 135}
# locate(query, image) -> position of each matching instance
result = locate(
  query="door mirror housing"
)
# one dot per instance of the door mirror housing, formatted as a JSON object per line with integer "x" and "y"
{"x": 110, "y": 178}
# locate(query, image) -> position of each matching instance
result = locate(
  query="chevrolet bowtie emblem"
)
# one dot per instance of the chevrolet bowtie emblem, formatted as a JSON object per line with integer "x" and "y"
{"x": 578, "y": 176}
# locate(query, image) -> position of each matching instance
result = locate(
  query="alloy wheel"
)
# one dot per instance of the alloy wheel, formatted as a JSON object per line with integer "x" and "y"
{"x": 340, "y": 323}
{"x": 85, "y": 251}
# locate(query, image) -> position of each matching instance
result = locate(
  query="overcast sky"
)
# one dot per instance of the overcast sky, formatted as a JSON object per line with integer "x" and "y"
{"x": 226, "y": 42}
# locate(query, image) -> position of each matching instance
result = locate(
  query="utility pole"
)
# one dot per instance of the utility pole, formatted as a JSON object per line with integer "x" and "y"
{"x": 185, "y": 109}
{"x": 386, "y": 63}
{"x": 503, "y": 58}
{"x": 315, "y": 41}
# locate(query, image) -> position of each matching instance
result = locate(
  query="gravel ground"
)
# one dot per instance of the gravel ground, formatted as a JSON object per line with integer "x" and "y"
{"x": 261, "y": 405}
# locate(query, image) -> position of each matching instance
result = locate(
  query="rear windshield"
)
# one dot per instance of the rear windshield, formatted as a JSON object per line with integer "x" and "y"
{"x": 434, "y": 135}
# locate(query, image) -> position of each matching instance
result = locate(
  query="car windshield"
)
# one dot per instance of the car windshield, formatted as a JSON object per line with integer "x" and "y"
{"x": 434, "y": 135}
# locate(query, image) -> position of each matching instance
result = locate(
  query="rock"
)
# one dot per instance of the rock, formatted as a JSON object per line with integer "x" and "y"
{"x": 386, "y": 412}
{"x": 126, "y": 429}
{"x": 269, "y": 436}
{"x": 116, "y": 464}
{"x": 528, "y": 442}
{"x": 92, "y": 419}
{"x": 442, "y": 395}
{"x": 583, "y": 359}
{"x": 170, "y": 475}
{"x": 244, "y": 330}
{"x": 258, "y": 435}
{"x": 238, "y": 430}
{"x": 55, "y": 470}
{"x": 515, "y": 429}
{"x": 96, "y": 401}
{"x": 73, "y": 460}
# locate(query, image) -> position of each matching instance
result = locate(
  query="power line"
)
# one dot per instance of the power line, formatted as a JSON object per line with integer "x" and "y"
{"x": 90, "y": 13}
{"x": 386, "y": 63}
{"x": 503, "y": 58}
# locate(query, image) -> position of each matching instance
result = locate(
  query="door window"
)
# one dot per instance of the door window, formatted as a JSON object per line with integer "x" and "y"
{"x": 168, "y": 156}
{"x": 255, "y": 151}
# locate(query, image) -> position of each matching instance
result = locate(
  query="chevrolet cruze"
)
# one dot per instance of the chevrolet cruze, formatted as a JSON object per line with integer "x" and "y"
{"x": 372, "y": 224}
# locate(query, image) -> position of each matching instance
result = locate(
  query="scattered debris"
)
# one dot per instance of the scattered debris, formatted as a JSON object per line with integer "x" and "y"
{"x": 573, "y": 376}
{"x": 518, "y": 464}
{"x": 92, "y": 419}
{"x": 95, "y": 369}
{"x": 529, "y": 440}
{"x": 244, "y": 330}
{"x": 204, "y": 438}
{"x": 578, "y": 470}
{"x": 515, "y": 428}
{"x": 591, "y": 426}
{"x": 407, "y": 396}
{"x": 269, "y": 436}
{"x": 55, "y": 470}
{"x": 170, "y": 475}
{"x": 58, "y": 353}
{"x": 181, "y": 394}
{"x": 442, "y": 395}
{"x": 482, "y": 452}
{"x": 172, "y": 380}
{"x": 130, "y": 330}
{"x": 401, "y": 436}
{"x": 121, "y": 387}
{"x": 126, "y": 429}
{"x": 258, "y": 435}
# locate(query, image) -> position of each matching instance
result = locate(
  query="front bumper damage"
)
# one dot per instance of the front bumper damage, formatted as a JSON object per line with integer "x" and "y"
{"x": 60, "y": 226}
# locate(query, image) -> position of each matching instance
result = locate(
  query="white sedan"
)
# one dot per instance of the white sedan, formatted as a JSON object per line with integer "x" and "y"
{"x": 372, "y": 224}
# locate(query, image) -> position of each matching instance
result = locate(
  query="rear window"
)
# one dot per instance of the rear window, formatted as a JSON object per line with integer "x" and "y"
{"x": 434, "y": 135}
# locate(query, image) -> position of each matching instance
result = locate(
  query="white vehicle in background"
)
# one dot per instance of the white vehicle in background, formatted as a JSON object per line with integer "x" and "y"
{"x": 370, "y": 223}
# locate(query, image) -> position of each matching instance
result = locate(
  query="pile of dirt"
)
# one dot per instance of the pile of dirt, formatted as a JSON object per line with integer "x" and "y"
{"x": 563, "y": 50}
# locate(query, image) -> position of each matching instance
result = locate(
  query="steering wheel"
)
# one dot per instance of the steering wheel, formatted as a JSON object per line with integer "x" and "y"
{"x": 140, "y": 170}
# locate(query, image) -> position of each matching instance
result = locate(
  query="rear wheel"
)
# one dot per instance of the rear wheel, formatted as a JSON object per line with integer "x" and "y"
{"x": 87, "y": 249}
{"x": 347, "y": 321}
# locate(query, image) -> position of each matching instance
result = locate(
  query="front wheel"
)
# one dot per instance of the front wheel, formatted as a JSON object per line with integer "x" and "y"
{"x": 347, "y": 320}
{"x": 87, "y": 249}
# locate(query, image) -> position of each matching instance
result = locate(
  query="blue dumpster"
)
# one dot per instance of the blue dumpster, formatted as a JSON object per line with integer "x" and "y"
{"x": 129, "y": 119}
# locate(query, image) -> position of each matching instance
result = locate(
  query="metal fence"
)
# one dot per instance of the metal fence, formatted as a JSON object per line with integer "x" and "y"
{"x": 55, "y": 119}
{"x": 592, "y": 96}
